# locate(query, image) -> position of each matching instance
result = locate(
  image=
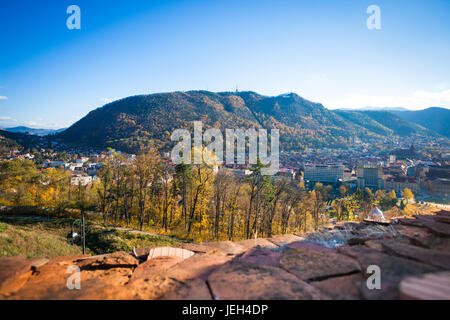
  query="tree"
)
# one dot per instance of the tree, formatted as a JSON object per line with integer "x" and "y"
{"x": 19, "y": 181}
{"x": 202, "y": 178}
{"x": 366, "y": 201}
{"x": 128, "y": 193}
{"x": 271, "y": 197}
{"x": 407, "y": 194}
{"x": 342, "y": 191}
{"x": 255, "y": 181}
{"x": 221, "y": 188}
{"x": 290, "y": 199}
{"x": 318, "y": 205}
{"x": 166, "y": 188}
{"x": 380, "y": 195}
{"x": 53, "y": 184}
{"x": 233, "y": 207}
{"x": 392, "y": 195}
{"x": 182, "y": 180}
{"x": 144, "y": 170}
{"x": 104, "y": 189}
{"x": 392, "y": 198}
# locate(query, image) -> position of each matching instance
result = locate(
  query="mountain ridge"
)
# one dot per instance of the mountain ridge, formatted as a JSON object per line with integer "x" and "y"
{"x": 434, "y": 117}
{"x": 33, "y": 131}
{"x": 131, "y": 123}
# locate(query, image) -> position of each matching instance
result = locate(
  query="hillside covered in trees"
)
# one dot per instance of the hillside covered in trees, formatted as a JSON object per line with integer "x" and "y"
{"x": 131, "y": 123}
{"x": 434, "y": 118}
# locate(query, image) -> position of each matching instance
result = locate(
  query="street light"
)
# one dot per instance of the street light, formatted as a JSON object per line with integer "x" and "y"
{"x": 74, "y": 235}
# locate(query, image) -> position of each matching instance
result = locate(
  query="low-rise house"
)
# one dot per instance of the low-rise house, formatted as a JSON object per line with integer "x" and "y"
{"x": 77, "y": 180}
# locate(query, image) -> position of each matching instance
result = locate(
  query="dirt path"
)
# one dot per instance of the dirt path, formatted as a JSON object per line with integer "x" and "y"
{"x": 146, "y": 233}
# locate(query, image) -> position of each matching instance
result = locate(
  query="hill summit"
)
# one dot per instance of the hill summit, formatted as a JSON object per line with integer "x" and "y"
{"x": 130, "y": 124}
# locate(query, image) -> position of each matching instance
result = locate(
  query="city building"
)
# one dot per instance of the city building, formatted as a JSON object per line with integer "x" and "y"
{"x": 438, "y": 186}
{"x": 370, "y": 176}
{"x": 403, "y": 154}
{"x": 398, "y": 184}
{"x": 323, "y": 173}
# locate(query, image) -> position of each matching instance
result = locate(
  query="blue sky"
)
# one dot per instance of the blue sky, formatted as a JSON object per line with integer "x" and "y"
{"x": 51, "y": 76}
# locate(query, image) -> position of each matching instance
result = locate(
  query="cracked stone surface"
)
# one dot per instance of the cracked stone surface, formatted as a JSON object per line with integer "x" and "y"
{"x": 261, "y": 256}
{"x": 392, "y": 265}
{"x": 309, "y": 246}
{"x": 311, "y": 264}
{"x": 413, "y": 256}
{"x": 433, "y": 257}
{"x": 341, "y": 288}
{"x": 250, "y": 282}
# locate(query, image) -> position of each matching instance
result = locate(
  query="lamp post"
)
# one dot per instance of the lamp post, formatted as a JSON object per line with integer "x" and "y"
{"x": 83, "y": 233}
{"x": 73, "y": 234}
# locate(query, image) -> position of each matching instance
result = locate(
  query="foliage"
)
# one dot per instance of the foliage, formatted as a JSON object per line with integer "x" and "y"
{"x": 134, "y": 123}
{"x": 194, "y": 202}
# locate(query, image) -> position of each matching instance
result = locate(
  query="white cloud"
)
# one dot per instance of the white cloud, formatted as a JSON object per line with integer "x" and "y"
{"x": 31, "y": 123}
{"x": 3, "y": 98}
{"x": 7, "y": 119}
{"x": 416, "y": 101}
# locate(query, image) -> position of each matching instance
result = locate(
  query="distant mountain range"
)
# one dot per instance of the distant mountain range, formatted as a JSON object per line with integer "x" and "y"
{"x": 132, "y": 123}
{"x": 368, "y": 108}
{"x": 434, "y": 118}
{"x": 34, "y": 131}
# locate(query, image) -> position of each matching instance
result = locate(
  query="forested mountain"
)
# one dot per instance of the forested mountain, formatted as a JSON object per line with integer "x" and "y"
{"x": 363, "y": 120}
{"x": 385, "y": 123}
{"x": 6, "y": 143}
{"x": 399, "y": 126}
{"x": 10, "y": 140}
{"x": 436, "y": 119}
{"x": 131, "y": 123}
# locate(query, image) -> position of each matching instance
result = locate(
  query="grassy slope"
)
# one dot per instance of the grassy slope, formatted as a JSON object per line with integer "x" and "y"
{"x": 45, "y": 239}
{"x": 34, "y": 240}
